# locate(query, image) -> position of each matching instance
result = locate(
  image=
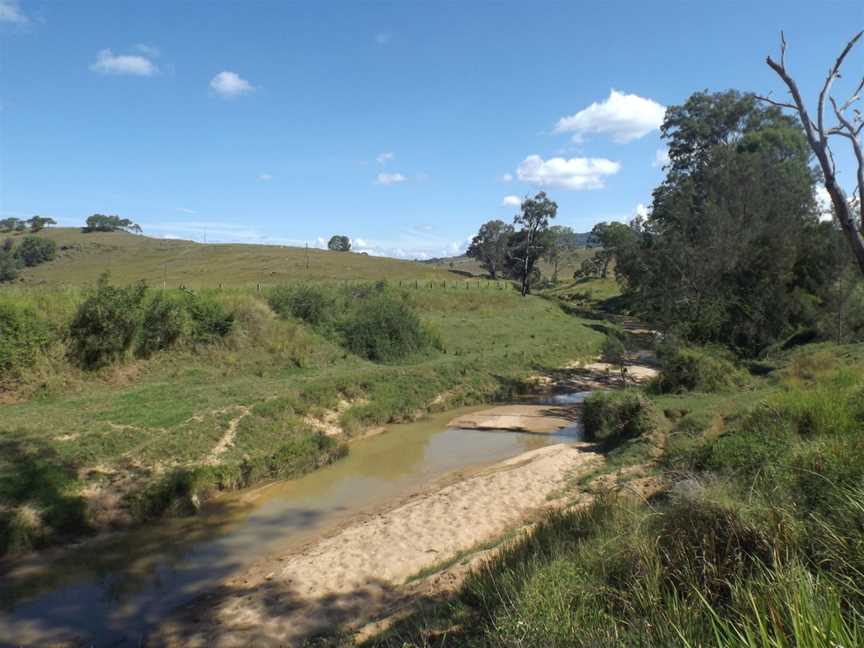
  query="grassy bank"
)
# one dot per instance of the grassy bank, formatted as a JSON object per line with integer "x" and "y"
{"x": 756, "y": 539}
{"x": 149, "y": 434}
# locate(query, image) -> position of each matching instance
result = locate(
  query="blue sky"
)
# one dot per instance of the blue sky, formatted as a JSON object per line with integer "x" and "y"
{"x": 404, "y": 125}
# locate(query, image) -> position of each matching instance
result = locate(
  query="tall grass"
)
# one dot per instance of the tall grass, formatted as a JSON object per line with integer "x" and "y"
{"x": 759, "y": 544}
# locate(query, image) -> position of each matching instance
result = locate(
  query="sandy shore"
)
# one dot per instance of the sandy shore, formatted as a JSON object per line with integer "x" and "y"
{"x": 359, "y": 573}
{"x": 537, "y": 419}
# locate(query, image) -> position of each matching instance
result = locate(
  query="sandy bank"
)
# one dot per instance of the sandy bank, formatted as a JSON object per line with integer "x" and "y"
{"x": 360, "y": 572}
{"x": 537, "y": 419}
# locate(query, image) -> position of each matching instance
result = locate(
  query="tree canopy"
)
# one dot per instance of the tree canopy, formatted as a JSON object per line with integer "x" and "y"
{"x": 113, "y": 223}
{"x": 339, "y": 243}
{"x": 733, "y": 250}
{"x": 529, "y": 243}
{"x": 489, "y": 247}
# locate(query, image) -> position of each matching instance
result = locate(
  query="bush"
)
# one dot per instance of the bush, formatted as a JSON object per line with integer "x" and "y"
{"x": 23, "y": 334}
{"x": 9, "y": 265}
{"x": 693, "y": 369}
{"x": 209, "y": 319}
{"x": 164, "y": 322}
{"x": 613, "y": 350}
{"x": 105, "y": 324}
{"x": 385, "y": 328}
{"x": 34, "y": 250}
{"x": 612, "y": 417}
{"x": 308, "y": 302}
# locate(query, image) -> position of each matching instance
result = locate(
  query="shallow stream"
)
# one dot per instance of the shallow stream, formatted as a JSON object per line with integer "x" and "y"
{"x": 114, "y": 591}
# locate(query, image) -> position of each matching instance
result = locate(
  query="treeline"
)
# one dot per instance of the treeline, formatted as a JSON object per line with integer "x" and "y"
{"x": 734, "y": 250}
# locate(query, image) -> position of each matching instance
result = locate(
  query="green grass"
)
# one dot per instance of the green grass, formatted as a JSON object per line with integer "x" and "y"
{"x": 81, "y": 258}
{"x": 760, "y": 542}
{"x": 155, "y": 420}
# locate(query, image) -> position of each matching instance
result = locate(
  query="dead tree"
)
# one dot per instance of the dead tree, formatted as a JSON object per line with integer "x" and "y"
{"x": 818, "y": 134}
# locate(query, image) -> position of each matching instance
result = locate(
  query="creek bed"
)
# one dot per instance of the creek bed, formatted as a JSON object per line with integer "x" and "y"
{"x": 114, "y": 591}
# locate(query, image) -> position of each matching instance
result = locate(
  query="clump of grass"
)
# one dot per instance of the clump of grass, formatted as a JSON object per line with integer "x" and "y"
{"x": 614, "y": 417}
{"x": 693, "y": 369}
{"x": 23, "y": 337}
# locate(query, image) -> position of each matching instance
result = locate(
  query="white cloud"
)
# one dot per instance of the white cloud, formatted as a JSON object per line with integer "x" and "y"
{"x": 641, "y": 211}
{"x": 383, "y": 38}
{"x": 109, "y": 63}
{"x": 10, "y": 11}
{"x": 507, "y": 177}
{"x": 661, "y": 158}
{"x": 624, "y": 117}
{"x": 230, "y": 84}
{"x": 359, "y": 242}
{"x": 511, "y": 201}
{"x": 320, "y": 243}
{"x": 186, "y": 211}
{"x": 265, "y": 177}
{"x": 384, "y": 157}
{"x": 390, "y": 178}
{"x": 575, "y": 173}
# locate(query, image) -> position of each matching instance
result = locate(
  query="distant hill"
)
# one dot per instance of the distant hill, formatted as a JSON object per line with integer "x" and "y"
{"x": 81, "y": 258}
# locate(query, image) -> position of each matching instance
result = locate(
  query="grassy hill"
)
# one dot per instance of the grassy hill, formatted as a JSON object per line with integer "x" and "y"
{"x": 81, "y": 258}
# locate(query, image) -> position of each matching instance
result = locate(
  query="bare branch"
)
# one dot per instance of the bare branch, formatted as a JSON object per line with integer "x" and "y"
{"x": 833, "y": 74}
{"x": 855, "y": 96}
{"x": 779, "y": 104}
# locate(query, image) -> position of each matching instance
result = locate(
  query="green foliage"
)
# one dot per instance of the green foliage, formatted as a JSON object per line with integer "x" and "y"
{"x": 38, "y": 223}
{"x": 208, "y": 318}
{"x": 113, "y": 223}
{"x": 34, "y": 250}
{"x": 384, "y": 328}
{"x": 371, "y": 321}
{"x": 490, "y": 245}
{"x": 308, "y": 302}
{"x": 613, "y": 417}
{"x": 164, "y": 322}
{"x": 613, "y": 350}
{"x": 9, "y": 264}
{"x": 732, "y": 251}
{"x": 23, "y": 335}
{"x": 105, "y": 324}
{"x": 338, "y": 243}
{"x": 697, "y": 369}
{"x": 526, "y": 246}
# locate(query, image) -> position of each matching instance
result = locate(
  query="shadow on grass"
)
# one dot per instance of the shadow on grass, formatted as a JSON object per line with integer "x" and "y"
{"x": 38, "y": 493}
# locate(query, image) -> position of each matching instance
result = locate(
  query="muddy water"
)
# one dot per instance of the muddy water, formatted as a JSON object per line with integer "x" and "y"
{"x": 115, "y": 591}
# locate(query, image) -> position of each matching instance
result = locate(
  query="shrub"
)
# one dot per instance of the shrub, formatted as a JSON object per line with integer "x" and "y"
{"x": 34, "y": 250}
{"x": 704, "y": 544}
{"x": 693, "y": 369}
{"x": 9, "y": 265}
{"x": 612, "y": 417}
{"x": 23, "y": 334}
{"x": 164, "y": 322}
{"x": 385, "y": 328}
{"x": 105, "y": 324}
{"x": 209, "y": 319}
{"x": 308, "y": 302}
{"x": 613, "y": 350}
